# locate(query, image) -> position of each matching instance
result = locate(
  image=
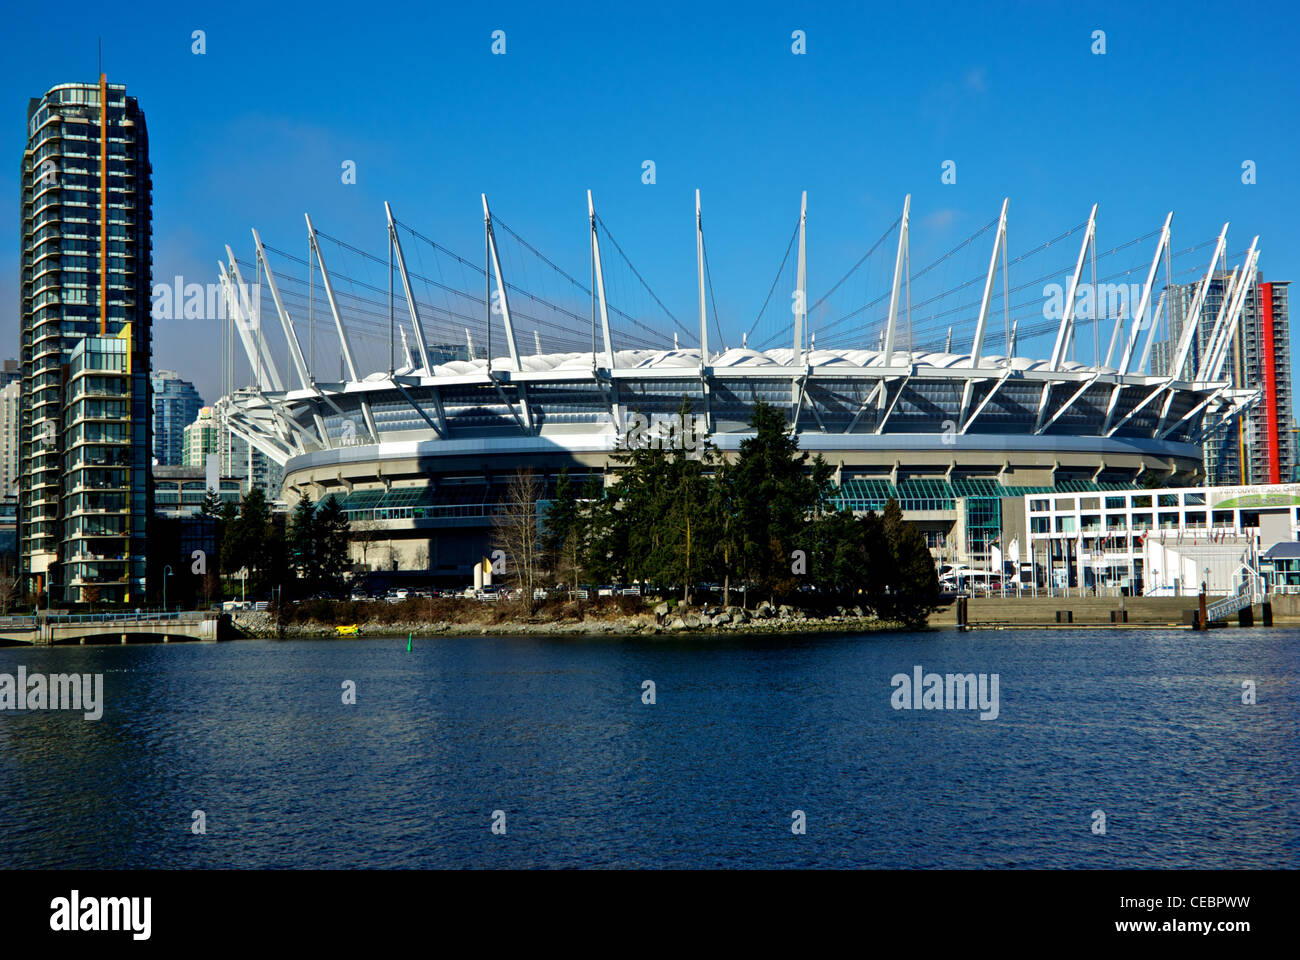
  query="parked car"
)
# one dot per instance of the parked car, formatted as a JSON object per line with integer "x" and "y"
{"x": 608, "y": 590}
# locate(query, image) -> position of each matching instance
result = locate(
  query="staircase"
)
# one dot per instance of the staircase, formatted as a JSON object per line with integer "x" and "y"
{"x": 1252, "y": 590}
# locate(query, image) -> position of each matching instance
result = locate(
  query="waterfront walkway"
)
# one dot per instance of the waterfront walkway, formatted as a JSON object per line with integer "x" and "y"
{"x": 1051, "y": 612}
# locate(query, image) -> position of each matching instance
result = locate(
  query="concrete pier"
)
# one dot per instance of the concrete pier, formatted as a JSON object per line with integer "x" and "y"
{"x": 991, "y": 613}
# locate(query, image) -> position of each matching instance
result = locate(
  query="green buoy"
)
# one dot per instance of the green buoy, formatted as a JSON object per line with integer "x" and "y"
{"x": 408, "y": 642}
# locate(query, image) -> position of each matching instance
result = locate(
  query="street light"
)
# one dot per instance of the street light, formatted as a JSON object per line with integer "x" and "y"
{"x": 167, "y": 572}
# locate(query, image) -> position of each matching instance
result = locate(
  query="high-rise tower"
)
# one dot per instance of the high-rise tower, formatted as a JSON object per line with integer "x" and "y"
{"x": 1257, "y": 448}
{"x": 87, "y": 258}
{"x": 175, "y": 405}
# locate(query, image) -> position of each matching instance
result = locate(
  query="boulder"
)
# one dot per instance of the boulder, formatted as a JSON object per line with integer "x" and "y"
{"x": 661, "y": 609}
{"x": 721, "y": 619}
{"x": 676, "y": 623}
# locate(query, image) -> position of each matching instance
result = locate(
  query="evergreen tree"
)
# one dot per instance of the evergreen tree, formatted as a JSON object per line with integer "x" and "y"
{"x": 560, "y": 530}
{"x": 674, "y": 517}
{"x": 774, "y": 496}
{"x": 688, "y": 550}
{"x": 333, "y": 543}
{"x": 913, "y": 584}
{"x": 660, "y": 523}
{"x": 212, "y": 505}
{"x": 249, "y": 540}
{"x": 304, "y": 547}
{"x": 630, "y": 536}
{"x": 604, "y": 546}
{"x": 214, "y": 511}
{"x": 275, "y": 570}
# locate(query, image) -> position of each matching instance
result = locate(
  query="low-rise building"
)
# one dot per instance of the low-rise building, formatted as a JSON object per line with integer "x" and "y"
{"x": 1144, "y": 540}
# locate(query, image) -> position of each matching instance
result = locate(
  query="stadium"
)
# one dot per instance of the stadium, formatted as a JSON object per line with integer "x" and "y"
{"x": 415, "y": 398}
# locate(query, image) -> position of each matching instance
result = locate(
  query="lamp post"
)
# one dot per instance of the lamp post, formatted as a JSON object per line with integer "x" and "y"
{"x": 167, "y": 572}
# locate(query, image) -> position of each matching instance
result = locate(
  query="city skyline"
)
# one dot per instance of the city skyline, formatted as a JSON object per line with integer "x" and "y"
{"x": 823, "y": 120}
{"x": 658, "y": 437}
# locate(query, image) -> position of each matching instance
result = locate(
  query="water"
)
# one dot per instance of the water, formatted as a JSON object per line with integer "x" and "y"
{"x": 1148, "y": 727}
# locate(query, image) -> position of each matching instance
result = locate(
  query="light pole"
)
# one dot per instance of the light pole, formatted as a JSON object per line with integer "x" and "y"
{"x": 167, "y": 572}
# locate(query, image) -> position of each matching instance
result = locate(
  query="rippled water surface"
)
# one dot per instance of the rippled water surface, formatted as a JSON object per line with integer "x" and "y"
{"x": 1148, "y": 727}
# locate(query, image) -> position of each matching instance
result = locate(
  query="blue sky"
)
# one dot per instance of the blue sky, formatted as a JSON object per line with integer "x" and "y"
{"x": 254, "y": 132}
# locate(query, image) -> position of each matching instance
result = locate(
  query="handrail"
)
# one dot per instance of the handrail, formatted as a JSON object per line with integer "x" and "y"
{"x": 1251, "y": 590}
{"x": 157, "y": 616}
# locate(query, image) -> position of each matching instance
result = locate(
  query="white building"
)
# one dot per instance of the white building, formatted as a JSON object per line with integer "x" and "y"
{"x": 1146, "y": 539}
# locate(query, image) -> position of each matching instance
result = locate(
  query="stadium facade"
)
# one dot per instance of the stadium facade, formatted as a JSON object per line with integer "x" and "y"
{"x": 421, "y": 454}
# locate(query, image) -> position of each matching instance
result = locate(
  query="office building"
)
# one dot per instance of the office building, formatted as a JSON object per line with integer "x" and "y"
{"x": 179, "y": 492}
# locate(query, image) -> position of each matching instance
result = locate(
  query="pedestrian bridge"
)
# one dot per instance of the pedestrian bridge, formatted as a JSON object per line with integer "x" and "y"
{"x": 55, "y": 628}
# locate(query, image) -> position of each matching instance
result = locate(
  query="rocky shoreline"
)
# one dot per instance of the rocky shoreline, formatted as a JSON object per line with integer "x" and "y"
{"x": 661, "y": 620}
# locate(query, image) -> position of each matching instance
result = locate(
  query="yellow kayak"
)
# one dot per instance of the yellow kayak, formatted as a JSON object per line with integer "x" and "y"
{"x": 349, "y": 631}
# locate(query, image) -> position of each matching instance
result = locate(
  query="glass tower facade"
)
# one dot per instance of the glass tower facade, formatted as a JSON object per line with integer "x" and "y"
{"x": 175, "y": 405}
{"x": 1257, "y": 448}
{"x": 85, "y": 491}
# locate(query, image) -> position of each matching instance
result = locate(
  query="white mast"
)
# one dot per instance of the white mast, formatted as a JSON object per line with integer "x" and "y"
{"x": 600, "y": 284}
{"x": 699, "y": 259}
{"x": 978, "y": 345}
{"x": 891, "y": 324}
{"x": 801, "y": 284}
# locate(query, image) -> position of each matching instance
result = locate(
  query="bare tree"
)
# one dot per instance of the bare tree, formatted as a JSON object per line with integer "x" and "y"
{"x": 567, "y": 562}
{"x": 421, "y": 557}
{"x": 363, "y": 534}
{"x": 10, "y": 588}
{"x": 515, "y": 534}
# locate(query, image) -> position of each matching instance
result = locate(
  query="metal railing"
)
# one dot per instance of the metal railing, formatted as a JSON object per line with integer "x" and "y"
{"x": 1250, "y": 591}
{"x": 144, "y": 616}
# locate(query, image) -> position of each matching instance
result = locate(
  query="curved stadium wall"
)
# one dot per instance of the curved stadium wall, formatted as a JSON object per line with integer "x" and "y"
{"x": 420, "y": 461}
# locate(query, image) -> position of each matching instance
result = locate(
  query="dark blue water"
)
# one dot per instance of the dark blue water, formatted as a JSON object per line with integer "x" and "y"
{"x": 1148, "y": 727}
